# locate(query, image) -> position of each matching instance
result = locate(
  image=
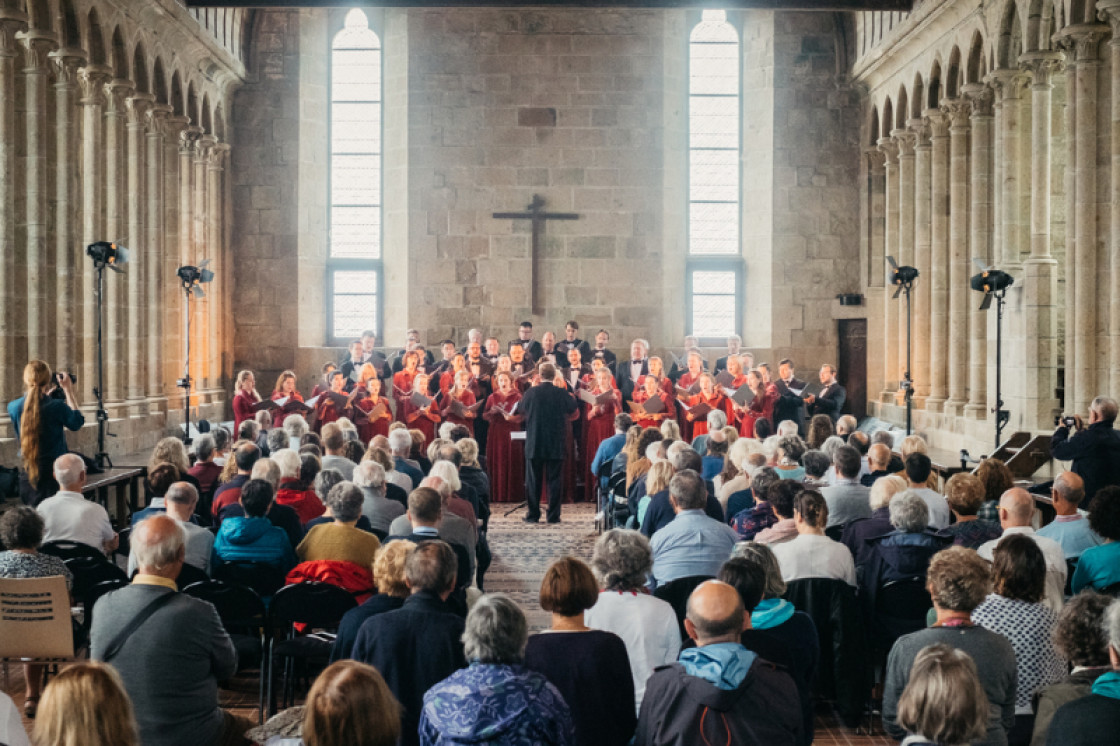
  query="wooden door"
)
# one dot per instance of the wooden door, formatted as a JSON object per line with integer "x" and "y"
{"x": 852, "y": 363}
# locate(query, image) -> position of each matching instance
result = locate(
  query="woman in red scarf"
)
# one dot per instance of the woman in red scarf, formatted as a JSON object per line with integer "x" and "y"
{"x": 506, "y": 474}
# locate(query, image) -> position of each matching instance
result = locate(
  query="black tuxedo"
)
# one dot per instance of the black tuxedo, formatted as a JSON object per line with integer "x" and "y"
{"x": 790, "y": 406}
{"x": 350, "y": 372}
{"x": 607, "y": 357}
{"x": 532, "y": 347}
{"x": 564, "y": 345}
{"x": 829, "y": 401}
{"x": 626, "y": 382}
{"x": 380, "y": 364}
{"x": 546, "y": 408}
{"x": 558, "y": 359}
{"x": 584, "y": 369}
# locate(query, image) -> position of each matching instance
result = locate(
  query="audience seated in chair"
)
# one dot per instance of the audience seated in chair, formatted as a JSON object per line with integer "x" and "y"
{"x": 1090, "y": 719}
{"x": 693, "y": 543}
{"x": 68, "y": 516}
{"x": 1099, "y": 567}
{"x": 720, "y": 689}
{"x": 847, "y": 499}
{"x": 812, "y": 554}
{"x": 180, "y": 503}
{"x": 1016, "y": 509}
{"x": 1069, "y": 528}
{"x": 944, "y": 701}
{"x": 965, "y": 495}
{"x": 85, "y": 703}
{"x": 341, "y": 540}
{"x": 377, "y": 508}
{"x": 252, "y": 537}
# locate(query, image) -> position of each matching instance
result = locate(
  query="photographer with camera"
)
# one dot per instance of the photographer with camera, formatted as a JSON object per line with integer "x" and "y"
{"x": 1093, "y": 449}
{"x": 38, "y": 419}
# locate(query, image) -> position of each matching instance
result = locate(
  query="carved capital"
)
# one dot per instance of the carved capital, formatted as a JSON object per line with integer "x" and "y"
{"x": 938, "y": 123}
{"x": 37, "y": 47}
{"x": 216, "y": 157}
{"x": 920, "y": 128}
{"x": 958, "y": 111}
{"x": 11, "y": 23}
{"x": 1042, "y": 66}
{"x": 1108, "y": 11}
{"x": 874, "y": 159}
{"x": 1007, "y": 83}
{"x": 66, "y": 63}
{"x": 136, "y": 108}
{"x": 174, "y": 125}
{"x": 1081, "y": 42}
{"x": 906, "y": 141}
{"x": 92, "y": 79}
{"x": 889, "y": 148}
{"x": 979, "y": 97}
{"x": 202, "y": 147}
{"x": 187, "y": 139}
{"x": 157, "y": 119}
{"x": 116, "y": 93}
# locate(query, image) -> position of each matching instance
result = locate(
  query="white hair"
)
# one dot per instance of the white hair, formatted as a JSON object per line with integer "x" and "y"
{"x": 446, "y": 471}
{"x": 295, "y": 426}
{"x": 69, "y": 470}
{"x": 437, "y": 484}
{"x": 152, "y": 554}
{"x": 370, "y": 475}
{"x": 267, "y": 470}
{"x": 787, "y": 427}
{"x": 642, "y": 342}
{"x": 740, "y": 452}
{"x": 288, "y": 461}
{"x": 445, "y": 430}
{"x": 676, "y": 447}
{"x": 653, "y": 450}
{"x": 400, "y": 441}
{"x": 884, "y": 490}
{"x": 909, "y": 512}
{"x": 717, "y": 419}
{"x": 1112, "y": 624}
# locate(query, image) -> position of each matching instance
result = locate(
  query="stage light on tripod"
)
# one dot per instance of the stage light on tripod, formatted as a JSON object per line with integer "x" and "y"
{"x": 108, "y": 254}
{"x": 901, "y": 276}
{"x": 988, "y": 282}
{"x": 193, "y": 278}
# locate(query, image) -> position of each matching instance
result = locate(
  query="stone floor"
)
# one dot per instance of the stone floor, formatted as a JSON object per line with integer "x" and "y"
{"x": 521, "y": 554}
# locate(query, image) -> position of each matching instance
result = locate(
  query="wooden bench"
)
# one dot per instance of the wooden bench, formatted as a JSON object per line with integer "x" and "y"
{"x": 124, "y": 481}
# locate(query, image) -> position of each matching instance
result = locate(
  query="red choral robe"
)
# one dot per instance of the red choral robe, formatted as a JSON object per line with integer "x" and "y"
{"x": 666, "y": 386}
{"x": 242, "y": 409}
{"x": 467, "y": 399}
{"x": 402, "y": 390}
{"x": 278, "y": 416}
{"x": 325, "y": 411}
{"x": 653, "y": 420}
{"x": 367, "y": 431}
{"x": 716, "y": 401}
{"x": 760, "y": 408}
{"x": 507, "y": 475}
{"x": 417, "y": 420}
{"x": 598, "y": 427}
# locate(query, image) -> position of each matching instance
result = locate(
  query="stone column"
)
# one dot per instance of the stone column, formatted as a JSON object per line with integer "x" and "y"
{"x": 37, "y": 48}
{"x": 138, "y": 106}
{"x": 906, "y": 140}
{"x": 1040, "y": 268}
{"x": 116, "y": 293}
{"x": 216, "y": 291}
{"x": 66, "y": 253}
{"x": 980, "y": 236}
{"x": 1008, "y": 85}
{"x": 1081, "y": 41}
{"x": 92, "y": 79}
{"x": 10, "y": 372}
{"x": 157, "y": 281}
{"x": 939, "y": 259}
{"x": 958, "y": 111}
{"x": 889, "y": 148}
{"x": 200, "y": 326}
{"x": 171, "y": 300}
{"x": 1109, "y": 10}
{"x": 188, "y": 139}
{"x": 921, "y": 321}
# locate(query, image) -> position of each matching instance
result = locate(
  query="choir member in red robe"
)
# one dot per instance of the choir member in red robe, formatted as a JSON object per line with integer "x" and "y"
{"x": 425, "y": 419}
{"x": 589, "y": 379}
{"x": 370, "y": 384}
{"x": 695, "y": 370}
{"x": 461, "y": 392}
{"x": 711, "y": 396}
{"x": 404, "y": 379}
{"x": 325, "y": 383}
{"x": 657, "y": 370}
{"x": 244, "y": 397}
{"x": 325, "y": 409}
{"x": 651, "y": 389}
{"x": 761, "y": 406}
{"x": 507, "y": 475}
{"x": 734, "y": 368}
{"x": 285, "y": 389}
{"x": 599, "y": 423}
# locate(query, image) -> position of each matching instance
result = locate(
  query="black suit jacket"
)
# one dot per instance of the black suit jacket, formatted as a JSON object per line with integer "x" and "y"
{"x": 790, "y": 406}
{"x": 607, "y": 357}
{"x": 829, "y": 401}
{"x": 545, "y": 408}
{"x": 1094, "y": 451}
{"x": 564, "y": 345}
{"x": 532, "y": 347}
{"x": 625, "y": 383}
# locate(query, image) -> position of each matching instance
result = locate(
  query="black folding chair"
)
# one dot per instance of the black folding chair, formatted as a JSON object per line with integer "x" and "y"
{"x": 261, "y": 577}
{"x": 67, "y": 550}
{"x": 676, "y": 593}
{"x": 245, "y": 618}
{"x": 618, "y": 506}
{"x": 318, "y": 606}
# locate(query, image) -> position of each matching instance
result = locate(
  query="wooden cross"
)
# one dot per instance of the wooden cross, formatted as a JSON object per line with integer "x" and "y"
{"x": 538, "y": 216}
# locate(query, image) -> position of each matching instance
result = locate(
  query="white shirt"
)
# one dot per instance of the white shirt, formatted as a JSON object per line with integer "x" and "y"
{"x": 812, "y": 556}
{"x": 1056, "y": 568}
{"x": 647, "y": 626}
{"x": 70, "y": 517}
{"x": 938, "y": 507}
{"x": 11, "y": 728}
{"x": 636, "y": 370}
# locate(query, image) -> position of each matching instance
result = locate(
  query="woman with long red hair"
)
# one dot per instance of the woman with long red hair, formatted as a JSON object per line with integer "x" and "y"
{"x": 506, "y": 473}
{"x": 38, "y": 420}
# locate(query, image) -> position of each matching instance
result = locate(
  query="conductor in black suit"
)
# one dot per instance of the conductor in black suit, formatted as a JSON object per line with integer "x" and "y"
{"x": 546, "y": 408}
{"x": 831, "y": 398}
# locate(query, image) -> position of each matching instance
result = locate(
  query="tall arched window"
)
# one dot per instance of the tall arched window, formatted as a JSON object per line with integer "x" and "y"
{"x": 354, "y": 272}
{"x": 714, "y": 266}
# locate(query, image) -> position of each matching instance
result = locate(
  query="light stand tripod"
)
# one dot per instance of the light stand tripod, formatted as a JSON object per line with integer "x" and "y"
{"x": 1002, "y": 415}
{"x": 903, "y": 278}
{"x": 185, "y": 382}
{"x": 104, "y": 254}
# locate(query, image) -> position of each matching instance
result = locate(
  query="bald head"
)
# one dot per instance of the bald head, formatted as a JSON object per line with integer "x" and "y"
{"x": 158, "y": 544}
{"x": 70, "y": 472}
{"x": 715, "y": 614}
{"x": 1016, "y": 507}
{"x": 1067, "y": 493}
{"x": 879, "y": 456}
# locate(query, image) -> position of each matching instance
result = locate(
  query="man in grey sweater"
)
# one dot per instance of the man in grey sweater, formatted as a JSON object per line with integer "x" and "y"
{"x": 172, "y": 662}
{"x": 847, "y": 499}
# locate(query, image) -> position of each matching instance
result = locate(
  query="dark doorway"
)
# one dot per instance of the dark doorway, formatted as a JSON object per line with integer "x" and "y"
{"x": 853, "y": 366}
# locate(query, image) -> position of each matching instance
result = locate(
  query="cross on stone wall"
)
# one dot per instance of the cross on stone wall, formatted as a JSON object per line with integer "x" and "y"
{"x": 535, "y": 212}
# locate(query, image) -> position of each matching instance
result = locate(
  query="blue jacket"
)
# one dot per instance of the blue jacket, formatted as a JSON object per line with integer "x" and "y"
{"x": 608, "y": 449}
{"x": 243, "y": 539}
{"x": 54, "y": 415}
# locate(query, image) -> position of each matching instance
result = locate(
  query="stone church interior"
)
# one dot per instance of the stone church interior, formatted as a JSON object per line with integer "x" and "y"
{"x": 798, "y": 316}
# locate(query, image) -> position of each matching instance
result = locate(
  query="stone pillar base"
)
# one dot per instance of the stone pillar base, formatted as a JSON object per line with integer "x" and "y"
{"x": 935, "y": 404}
{"x": 975, "y": 412}
{"x": 955, "y": 407}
